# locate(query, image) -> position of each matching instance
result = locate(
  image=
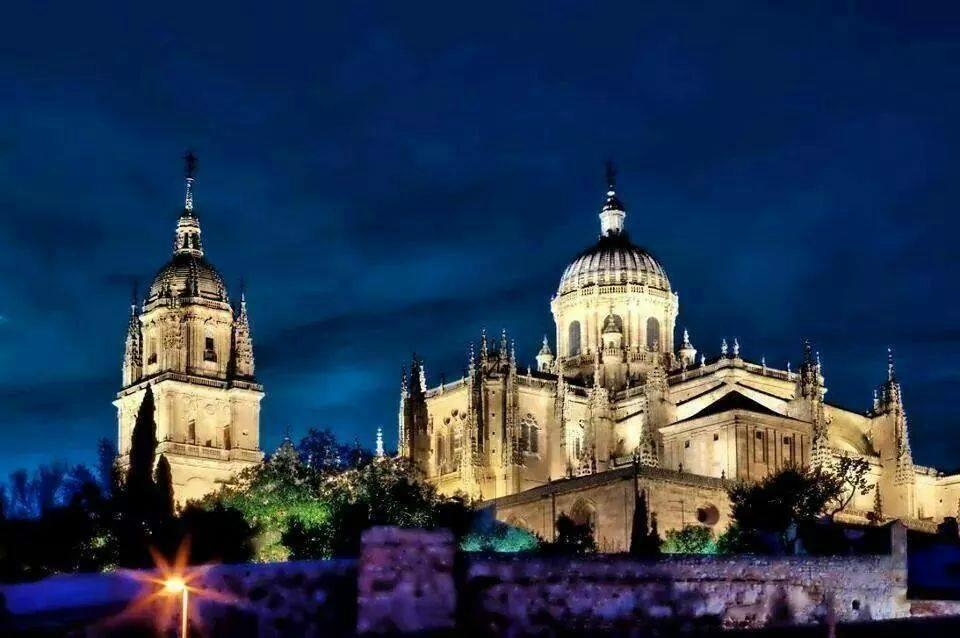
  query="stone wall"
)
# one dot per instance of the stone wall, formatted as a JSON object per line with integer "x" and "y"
{"x": 532, "y": 595}
{"x": 300, "y": 598}
{"x": 675, "y": 498}
{"x": 609, "y": 594}
{"x": 413, "y": 581}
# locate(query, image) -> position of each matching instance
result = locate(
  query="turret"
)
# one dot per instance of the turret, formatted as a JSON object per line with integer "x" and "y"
{"x": 545, "y": 357}
{"x": 242, "y": 341}
{"x": 688, "y": 354}
{"x": 133, "y": 348}
{"x": 416, "y": 419}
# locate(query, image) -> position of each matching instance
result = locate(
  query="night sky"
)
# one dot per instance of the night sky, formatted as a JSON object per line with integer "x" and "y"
{"x": 394, "y": 177}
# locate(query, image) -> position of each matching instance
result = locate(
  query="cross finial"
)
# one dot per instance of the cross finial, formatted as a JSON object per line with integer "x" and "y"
{"x": 189, "y": 164}
{"x": 611, "y": 176}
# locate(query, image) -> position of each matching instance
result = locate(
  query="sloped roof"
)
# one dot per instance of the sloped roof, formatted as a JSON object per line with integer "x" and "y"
{"x": 733, "y": 401}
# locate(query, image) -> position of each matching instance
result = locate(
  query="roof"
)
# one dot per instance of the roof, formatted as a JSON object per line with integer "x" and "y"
{"x": 733, "y": 401}
{"x": 614, "y": 259}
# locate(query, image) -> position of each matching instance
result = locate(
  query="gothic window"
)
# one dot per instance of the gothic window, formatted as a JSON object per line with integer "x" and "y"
{"x": 573, "y": 339}
{"x": 584, "y": 513}
{"x": 529, "y": 435}
{"x": 192, "y": 432}
{"x": 457, "y": 443}
{"x": 653, "y": 333}
{"x": 209, "y": 348}
{"x": 153, "y": 352}
{"x": 441, "y": 451}
{"x": 226, "y": 437}
{"x": 578, "y": 435}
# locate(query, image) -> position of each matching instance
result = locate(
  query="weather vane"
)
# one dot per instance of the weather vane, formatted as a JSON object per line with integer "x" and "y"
{"x": 190, "y": 164}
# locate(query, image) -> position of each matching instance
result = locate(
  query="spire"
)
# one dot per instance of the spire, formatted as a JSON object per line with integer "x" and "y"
{"x": 133, "y": 350}
{"x": 379, "y": 449}
{"x": 891, "y": 372}
{"x": 613, "y": 212}
{"x": 189, "y": 169}
{"x": 187, "y": 239}
{"x": 243, "y": 365}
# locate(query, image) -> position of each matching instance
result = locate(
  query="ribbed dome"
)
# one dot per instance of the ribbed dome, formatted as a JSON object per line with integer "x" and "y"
{"x": 177, "y": 279}
{"x": 613, "y": 260}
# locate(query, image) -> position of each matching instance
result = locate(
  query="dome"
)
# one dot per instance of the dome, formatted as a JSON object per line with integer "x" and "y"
{"x": 613, "y": 260}
{"x": 179, "y": 274}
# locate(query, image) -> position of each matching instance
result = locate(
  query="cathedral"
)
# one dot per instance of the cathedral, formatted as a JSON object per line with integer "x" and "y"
{"x": 188, "y": 345}
{"x": 561, "y": 436}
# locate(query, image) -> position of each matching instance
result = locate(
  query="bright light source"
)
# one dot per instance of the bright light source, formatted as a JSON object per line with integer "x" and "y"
{"x": 174, "y": 585}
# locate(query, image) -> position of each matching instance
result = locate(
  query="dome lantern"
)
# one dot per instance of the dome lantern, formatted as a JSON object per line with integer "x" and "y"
{"x": 613, "y": 212}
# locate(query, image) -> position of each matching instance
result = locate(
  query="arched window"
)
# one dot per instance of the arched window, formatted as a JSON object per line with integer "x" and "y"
{"x": 456, "y": 443}
{"x": 529, "y": 435}
{"x": 573, "y": 339}
{"x": 584, "y": 513}
{"x": 653, "y": 333}
{"x": 578, "y": 436}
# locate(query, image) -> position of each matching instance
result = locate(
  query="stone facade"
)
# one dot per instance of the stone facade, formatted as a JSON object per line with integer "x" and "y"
{"x": 187, "y": 343}
{"x": 618, "y": 387}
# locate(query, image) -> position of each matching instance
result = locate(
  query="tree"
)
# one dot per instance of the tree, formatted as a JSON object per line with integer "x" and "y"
{"x": 572, "y": 537}
{"x": 49, "y": 480}
{"x": 143, "y": 445}
{"x": 106, "y": 465}
{"x": 644, "y": 538}
{"x": 320, "y": 451}
{"x": 776, "y": 505}
{"x": 164, "y": 482}
{"x": 876, "y": 516}
{"x": 501, "y": 538}
{"x": 692, "y": 539}
{"x": 22, "y": 495}
{"x": 851, "y": 472}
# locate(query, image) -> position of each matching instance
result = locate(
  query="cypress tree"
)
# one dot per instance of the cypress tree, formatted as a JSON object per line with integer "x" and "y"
{"x": 644, "y": 537}
{"x": 143, "y": 445}
{"x": 164, "y": 482}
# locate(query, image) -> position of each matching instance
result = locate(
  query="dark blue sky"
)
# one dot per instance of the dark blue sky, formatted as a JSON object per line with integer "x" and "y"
{"x": 393, "y": 177}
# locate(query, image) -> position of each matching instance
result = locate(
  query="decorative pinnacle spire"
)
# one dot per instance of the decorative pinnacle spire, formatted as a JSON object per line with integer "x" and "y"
{"x": 187, "y": 239}
{"x": 379, "y": 451}
{"x": 891, "y": 372}
{"x": 189, "y": 169}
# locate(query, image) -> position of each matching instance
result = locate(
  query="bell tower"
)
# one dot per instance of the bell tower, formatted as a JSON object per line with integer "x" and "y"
{"x": 195, "y": 351}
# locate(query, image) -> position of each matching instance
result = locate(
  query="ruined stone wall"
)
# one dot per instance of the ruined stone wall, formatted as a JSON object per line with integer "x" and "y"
{"x": 542, "y": 596}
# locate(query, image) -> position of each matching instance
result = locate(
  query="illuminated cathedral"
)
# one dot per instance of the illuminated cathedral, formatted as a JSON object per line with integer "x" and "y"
{"x": 562, "y": 435}
{"x": 188, "y": 345}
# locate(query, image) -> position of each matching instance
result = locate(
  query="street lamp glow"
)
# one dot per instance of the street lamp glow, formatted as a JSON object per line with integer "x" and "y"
{"x": 174, "y": 585}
